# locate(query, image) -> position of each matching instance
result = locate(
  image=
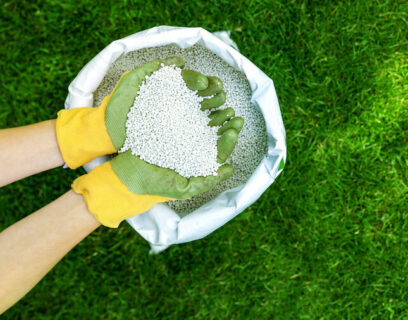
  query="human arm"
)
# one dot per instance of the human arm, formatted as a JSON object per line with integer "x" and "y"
{"x": 27, "y": 150}
{"x": 33, "y": 246}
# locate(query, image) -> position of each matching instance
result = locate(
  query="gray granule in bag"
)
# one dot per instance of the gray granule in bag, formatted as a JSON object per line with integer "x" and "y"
{"x": 252, "y": 141}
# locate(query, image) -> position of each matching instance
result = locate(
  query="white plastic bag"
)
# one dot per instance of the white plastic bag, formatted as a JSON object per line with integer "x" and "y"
{"x": 161, "y": 226}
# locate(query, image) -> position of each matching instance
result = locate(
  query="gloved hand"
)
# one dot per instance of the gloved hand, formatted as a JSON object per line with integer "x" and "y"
{"x": 86, "y": 133}
{"x": 127, "y": 185}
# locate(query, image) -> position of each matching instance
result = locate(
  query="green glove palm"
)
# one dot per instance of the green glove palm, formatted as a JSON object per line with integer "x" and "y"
{"x": 143, "y": 178}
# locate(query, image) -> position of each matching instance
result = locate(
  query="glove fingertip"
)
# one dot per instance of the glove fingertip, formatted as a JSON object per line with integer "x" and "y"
{"x": 225, "y": 171}
{"x": 179, "y": 62}
{"x": 226, "y": 144}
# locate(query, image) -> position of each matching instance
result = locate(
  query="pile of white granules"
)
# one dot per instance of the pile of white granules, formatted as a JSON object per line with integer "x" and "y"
{"x": 252, "y": 140}
{"x": 166, "y": 127}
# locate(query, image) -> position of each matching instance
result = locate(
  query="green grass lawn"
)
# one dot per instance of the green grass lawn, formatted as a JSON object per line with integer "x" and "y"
{"x": 328, "y": 240}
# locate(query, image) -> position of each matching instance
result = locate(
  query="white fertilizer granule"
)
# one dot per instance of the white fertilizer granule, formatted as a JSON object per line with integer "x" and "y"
{"x": 252, "y": 140}
{"x": 166, "y": 127}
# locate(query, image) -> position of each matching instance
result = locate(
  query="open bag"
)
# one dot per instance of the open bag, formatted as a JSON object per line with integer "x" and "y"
{"x": 161, "y": 226}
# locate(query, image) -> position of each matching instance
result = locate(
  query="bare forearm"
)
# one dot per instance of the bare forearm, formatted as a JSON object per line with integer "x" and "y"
{"x": 27, "y": 150}
{"x": 32, "y": 246}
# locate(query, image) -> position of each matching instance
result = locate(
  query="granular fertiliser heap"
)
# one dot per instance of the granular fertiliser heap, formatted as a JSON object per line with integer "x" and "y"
{"x": 166, "y": 127}
{"x": 252, "y": 140}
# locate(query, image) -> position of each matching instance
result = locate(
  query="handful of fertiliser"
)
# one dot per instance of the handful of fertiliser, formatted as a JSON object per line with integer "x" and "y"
{"x": 176, "y": 122}
{"x": 252, "y": 144}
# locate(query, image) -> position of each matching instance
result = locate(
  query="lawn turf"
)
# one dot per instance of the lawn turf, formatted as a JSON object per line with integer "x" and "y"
{"x": 328, "y": 240}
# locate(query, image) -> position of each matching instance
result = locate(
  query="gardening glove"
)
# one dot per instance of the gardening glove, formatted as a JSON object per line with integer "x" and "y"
{"x": 127, "y": 186}
{"x": 86, "y": 133}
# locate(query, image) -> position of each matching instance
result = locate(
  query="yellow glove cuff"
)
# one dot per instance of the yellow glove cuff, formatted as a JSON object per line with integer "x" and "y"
{"x": 108, "y": 199}
{"x": 82, "y": 135}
